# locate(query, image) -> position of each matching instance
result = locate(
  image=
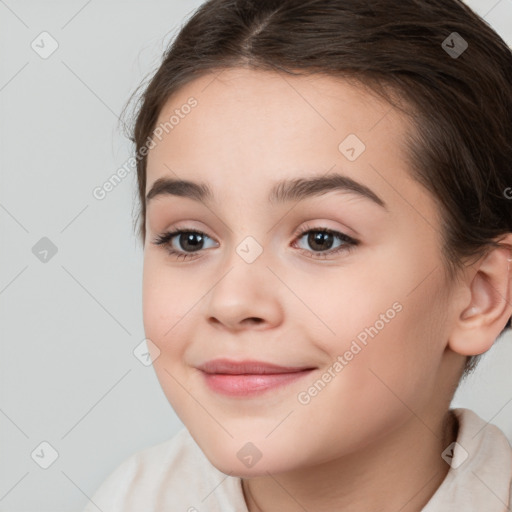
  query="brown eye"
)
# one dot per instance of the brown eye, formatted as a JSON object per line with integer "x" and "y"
{"x": 321, "y": 240}
{"x": 182, "y": 243}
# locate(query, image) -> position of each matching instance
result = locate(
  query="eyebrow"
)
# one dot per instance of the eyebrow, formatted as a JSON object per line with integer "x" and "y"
{"x": 283, "y": 191}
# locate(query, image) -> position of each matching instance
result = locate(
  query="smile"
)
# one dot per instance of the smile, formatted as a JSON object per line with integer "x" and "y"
{"x": 248, "y": 378}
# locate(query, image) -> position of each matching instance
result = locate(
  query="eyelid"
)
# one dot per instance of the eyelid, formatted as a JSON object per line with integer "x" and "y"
{"x": 324, "y": 224}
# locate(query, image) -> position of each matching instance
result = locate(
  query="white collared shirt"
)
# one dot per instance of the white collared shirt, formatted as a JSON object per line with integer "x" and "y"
{"x": 176, "y": 476}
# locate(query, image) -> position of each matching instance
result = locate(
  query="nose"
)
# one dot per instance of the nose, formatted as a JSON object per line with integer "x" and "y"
{"x": 247, "y": 296}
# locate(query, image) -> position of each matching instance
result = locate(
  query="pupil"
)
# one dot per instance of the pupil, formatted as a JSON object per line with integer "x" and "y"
{"x": 190, "y": 240}
{"x": 318, "y": 238}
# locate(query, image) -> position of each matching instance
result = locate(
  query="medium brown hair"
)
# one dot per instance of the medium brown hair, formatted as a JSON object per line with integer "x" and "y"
{"x": 460, "y": 105}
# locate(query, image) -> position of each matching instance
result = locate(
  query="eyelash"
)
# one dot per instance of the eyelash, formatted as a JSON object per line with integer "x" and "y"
{"x": 349, "y": 242}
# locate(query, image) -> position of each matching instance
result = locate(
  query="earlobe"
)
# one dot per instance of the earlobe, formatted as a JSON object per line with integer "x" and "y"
{"x": 483, "y": 317}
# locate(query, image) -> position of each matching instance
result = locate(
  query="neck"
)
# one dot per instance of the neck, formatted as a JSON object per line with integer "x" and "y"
{"x": 398, "y": 472}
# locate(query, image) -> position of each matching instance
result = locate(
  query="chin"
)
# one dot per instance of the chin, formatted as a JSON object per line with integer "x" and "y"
{"x": 244, "y": 460}
{"x": 236, "y": 469}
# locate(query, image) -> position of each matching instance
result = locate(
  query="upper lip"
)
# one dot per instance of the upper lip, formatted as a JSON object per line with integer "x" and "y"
{"x": 247, "y": 367}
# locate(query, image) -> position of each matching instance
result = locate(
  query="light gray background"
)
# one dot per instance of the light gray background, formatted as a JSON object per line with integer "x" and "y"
{"x": 69, "y": 326}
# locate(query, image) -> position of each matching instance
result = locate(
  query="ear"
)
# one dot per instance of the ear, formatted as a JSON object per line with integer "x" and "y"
{"x": 482, "y": 318}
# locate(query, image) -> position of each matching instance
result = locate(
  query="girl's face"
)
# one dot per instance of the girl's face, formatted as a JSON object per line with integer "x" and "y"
{"x": 368, "y": 315}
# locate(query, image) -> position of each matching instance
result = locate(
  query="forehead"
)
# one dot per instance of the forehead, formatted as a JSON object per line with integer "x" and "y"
{"x": 249, "y": 129}
{"x": 256, "y": 107}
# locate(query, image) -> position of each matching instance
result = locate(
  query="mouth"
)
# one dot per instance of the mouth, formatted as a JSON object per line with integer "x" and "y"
{"x": 247, "y": 378}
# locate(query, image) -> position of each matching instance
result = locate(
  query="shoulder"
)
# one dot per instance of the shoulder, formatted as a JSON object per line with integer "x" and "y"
{"x": 480, "y": 474}
{"x": 172, "y": 473}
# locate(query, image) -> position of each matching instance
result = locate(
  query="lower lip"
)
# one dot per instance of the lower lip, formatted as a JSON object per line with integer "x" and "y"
{"x": 246, "y": 385}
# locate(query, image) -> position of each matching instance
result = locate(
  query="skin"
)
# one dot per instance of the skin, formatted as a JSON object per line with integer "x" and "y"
{"x": 372, "y": 438}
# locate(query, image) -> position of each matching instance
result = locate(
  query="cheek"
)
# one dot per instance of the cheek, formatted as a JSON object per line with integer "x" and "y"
{"x": 167, "y": 311}
{"x": 165, "y": 303}
{"x": 384, "y": 320}
{"x": 377, "y": 382}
